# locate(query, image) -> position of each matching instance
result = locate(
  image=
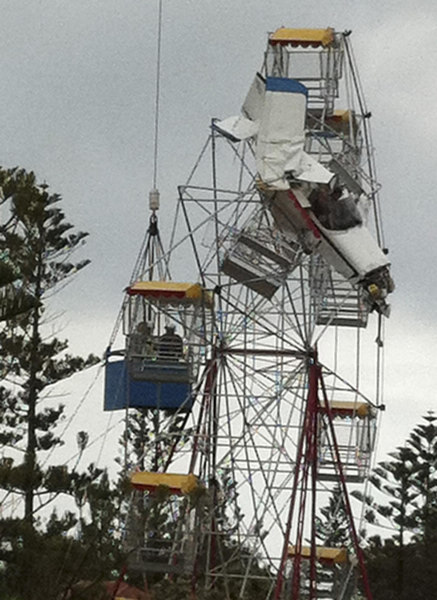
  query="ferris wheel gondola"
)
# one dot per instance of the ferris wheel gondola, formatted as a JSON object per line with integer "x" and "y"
{"x": 158, "y": 365}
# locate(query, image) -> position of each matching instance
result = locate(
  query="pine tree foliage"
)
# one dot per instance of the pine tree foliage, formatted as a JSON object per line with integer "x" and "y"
{"x": 393, "y": 481}
{"x": 41, "y": 559}
{"x": 36, "y": 260}
{"x": 403, "y": 566}
{"x": 35, "y": 243}
{"x": 333, "y": 531}
{"x": 332, "y": 524}
{"x": 39, "y": 243}
{"x": 406, "y": 487}
{"x": 15, "y": 298}
{"x": 423, "y": 443}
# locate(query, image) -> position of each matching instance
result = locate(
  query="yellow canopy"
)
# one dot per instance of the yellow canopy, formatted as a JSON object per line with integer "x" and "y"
{"x": 323, "y": 553}
{"x": 182, "y": 484}
{"x": 302, "y": 37}
{"x": 343, "y": 114}
{"x": 171, "y": 291}
{"x": 349, "y": 409}
{"x": 341, "y": 121}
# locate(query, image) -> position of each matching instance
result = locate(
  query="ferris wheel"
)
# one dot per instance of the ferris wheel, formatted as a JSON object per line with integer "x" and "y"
{"x": 254, "y": 362}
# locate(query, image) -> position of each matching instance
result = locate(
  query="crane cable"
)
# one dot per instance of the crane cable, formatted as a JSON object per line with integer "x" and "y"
{"x": 155, "y": 164}
{"x": 157, "y": 96}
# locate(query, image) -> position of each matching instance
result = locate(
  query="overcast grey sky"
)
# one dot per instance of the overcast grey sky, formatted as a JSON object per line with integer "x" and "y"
{"x": 77, "y": 107}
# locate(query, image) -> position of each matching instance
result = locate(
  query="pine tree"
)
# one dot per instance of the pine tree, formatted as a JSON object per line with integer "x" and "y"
{"x": 333, "y": 531}
{"x": 15, "y": 297}
{"x": 39, "y": 243}
{"x": 423, "y": 442}
{"x": 332, "y": 524}
{"x": 405, "y": 503}
{"x": 396, "y": 504}
{"x": 36, "y": 245}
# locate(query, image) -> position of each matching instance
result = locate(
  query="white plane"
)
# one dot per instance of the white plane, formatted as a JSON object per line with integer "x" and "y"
{"x": 321, "y": 206}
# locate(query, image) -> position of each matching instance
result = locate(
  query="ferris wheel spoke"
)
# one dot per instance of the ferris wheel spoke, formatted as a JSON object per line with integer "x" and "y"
{"x": 251, "y": 464}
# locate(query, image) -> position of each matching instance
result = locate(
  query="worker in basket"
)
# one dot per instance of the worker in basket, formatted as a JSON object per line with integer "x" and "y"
{"x": 170, "y": 345}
